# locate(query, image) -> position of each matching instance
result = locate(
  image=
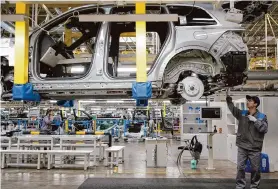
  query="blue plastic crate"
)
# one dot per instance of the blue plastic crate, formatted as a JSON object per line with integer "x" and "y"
{"x": 264, "y": 167}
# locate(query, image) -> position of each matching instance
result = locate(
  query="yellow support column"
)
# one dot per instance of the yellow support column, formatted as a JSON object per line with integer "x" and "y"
{"x": 78, "y": 112}
{"x": 141, "y": 55}
{"x": 21, "y": 46}
{"x": 68, "y": 32}
{"x": 68, "y": 37}
{"x": 67, "y": 126}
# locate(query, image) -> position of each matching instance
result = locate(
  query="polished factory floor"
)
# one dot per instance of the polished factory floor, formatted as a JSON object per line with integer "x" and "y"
{"x": 133, "y": 167}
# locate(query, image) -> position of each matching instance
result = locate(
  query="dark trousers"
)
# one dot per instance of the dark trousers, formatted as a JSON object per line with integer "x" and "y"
{"x": 255, "y": 159}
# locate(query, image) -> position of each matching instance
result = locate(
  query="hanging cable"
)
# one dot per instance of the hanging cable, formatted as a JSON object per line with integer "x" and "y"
{"x": 191, "y": 9}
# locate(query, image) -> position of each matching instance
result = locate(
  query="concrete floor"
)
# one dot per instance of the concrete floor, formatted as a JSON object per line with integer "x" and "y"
{"x": 133, "y": 167}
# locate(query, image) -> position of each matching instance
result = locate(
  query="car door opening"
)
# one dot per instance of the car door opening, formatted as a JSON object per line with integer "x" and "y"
{"x": 121, "y": 61}
{"x": 68, "y": 50}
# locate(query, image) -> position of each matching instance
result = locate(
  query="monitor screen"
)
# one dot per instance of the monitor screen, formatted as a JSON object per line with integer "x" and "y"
{"x": 211, "y": 113}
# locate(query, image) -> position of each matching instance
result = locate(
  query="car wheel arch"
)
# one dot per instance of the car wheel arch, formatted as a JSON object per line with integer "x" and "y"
{"x": 184, "y": 49}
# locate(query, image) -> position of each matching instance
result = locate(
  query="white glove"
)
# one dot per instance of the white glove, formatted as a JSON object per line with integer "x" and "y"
{"x": 252, "y": 118}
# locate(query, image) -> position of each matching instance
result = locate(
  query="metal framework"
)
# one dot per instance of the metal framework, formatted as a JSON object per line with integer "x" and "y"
{"x": 256, "y": 33}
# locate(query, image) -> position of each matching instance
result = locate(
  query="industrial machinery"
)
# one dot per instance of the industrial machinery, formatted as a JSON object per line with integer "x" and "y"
{"x": 200, "y": 54}
{"x": 139, "y": 125}
{"x": 82, "y": 122}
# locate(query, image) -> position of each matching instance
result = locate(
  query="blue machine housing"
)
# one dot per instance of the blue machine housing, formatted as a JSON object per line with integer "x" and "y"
{"x": 25, "y": 92}
{"x": 141, "y": 92}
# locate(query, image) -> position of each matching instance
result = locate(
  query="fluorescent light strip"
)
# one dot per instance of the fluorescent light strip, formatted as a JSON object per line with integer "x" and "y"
{"x": 114, "y": 101}
{"x": 87, "y": 101}
{"x": 77, "y": 69}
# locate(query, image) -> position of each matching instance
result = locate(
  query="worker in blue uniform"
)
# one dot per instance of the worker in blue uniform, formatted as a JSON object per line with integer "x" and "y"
{"x": 252, "y": 127}
{"x": 47, "y": 121}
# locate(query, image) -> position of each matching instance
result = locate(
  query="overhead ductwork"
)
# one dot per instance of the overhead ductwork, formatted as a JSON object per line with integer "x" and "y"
{"x": 263, "y": 75}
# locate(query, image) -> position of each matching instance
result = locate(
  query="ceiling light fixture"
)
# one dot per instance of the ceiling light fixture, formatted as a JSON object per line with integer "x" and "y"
{"x": 76, "y": 69}
{"x": 87, "y": 101}
{"x": 114, "y": 101}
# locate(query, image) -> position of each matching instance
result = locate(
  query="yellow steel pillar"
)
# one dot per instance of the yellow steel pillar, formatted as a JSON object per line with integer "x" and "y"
{"x": 141, "y": 55}
{"x": 68, "y": 37}
{"x": 21, "y": 46}
{"x": 78, "y": 108}
{"x": 68, "y": 32}
{"x": 66, "y": 126}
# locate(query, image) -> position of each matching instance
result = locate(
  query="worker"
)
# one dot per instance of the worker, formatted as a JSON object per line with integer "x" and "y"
{"x": 47, "y": 120}
{"x": 252, "y": 127}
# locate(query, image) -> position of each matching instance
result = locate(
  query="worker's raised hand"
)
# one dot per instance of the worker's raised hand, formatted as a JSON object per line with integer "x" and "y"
{"x": 252, "y": 118}
{"x": 229, "y": 99}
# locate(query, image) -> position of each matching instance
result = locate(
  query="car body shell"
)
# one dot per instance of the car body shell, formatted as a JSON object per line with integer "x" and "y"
{"x": 216, "y": 40}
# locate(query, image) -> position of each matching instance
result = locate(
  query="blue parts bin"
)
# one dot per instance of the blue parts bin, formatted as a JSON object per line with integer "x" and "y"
{"x": 264, "y": 164}
{"x": 197, "y": 119}
{"x": 197, "y": 110}
{"x": 25, "y": 92}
